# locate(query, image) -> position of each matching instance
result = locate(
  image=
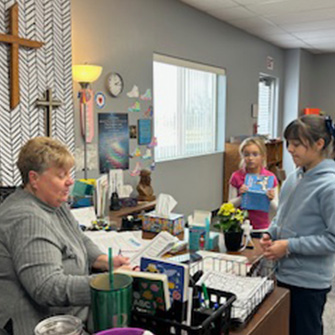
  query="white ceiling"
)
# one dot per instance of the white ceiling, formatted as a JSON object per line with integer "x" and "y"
{"x": 306, "y": 24}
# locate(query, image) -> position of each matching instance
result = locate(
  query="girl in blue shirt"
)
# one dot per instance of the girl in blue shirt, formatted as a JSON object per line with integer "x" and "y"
{"x": 302, "y": 235}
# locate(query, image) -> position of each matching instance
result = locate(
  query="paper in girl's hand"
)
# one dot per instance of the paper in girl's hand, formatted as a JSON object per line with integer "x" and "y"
{"x": 255, "y": 198}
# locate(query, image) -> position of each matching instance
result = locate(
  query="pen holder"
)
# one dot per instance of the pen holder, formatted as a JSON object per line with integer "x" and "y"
{"x": 111, "y": 306}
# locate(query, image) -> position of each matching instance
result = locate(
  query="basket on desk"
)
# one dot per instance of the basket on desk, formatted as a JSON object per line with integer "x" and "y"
{"x": 263, "y": 271}
{"x": 208, "y": 321}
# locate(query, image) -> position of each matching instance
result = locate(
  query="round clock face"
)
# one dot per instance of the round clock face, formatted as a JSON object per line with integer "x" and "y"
{"x": 115, "y": 84}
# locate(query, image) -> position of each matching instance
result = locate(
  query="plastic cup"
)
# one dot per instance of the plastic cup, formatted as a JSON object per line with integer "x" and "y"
{"x": 60, "y": 325}
{"x": 111, "y": 307}
{"x": 123, "y": 331}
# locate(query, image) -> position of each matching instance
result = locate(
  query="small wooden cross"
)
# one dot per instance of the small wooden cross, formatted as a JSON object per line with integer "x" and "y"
{"x": 15, "y": 42}
{"x": 48, "y": 103}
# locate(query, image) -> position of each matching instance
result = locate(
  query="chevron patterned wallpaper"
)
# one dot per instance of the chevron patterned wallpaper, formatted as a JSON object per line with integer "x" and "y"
{"x": 47, "y": 21}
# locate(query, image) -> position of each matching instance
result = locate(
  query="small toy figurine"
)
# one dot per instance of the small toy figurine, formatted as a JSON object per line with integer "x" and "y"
{"x": 144, "y": 188}
{"x": 248, "y": 243}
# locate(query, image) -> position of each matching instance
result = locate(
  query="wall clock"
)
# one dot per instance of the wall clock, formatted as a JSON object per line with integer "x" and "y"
{"x": 115, "y": 84}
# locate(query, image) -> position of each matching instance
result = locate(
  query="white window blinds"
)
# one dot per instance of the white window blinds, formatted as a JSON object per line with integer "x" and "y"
{"x": 266, "y": 89}
{"x": 185, "y": 110}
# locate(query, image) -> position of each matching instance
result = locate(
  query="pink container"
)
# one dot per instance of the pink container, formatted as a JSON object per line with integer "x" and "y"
{"x": 122, "y": 331}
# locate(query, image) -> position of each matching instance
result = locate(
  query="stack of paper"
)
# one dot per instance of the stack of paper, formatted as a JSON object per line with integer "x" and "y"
{"x": 85, "y": 216}
{"x": 157, "y": 247}
{"x": 249, "y": 291}
{"x": 128, "y": 243}
{"x": 131, "y": 245}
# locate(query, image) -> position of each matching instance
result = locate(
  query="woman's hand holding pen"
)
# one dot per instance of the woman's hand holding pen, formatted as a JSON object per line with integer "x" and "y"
{"x": 120, "y": 260}
{"x": 101, "y": 263}
{"x": 276, "y": 250}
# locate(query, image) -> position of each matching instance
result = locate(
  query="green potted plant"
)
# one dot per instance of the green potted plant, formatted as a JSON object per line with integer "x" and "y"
{"x": 229, "y": 221}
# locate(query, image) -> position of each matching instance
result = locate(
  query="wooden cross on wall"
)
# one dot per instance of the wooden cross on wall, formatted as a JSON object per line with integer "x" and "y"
{"x": 15, "y": 42}
{"x": 48, "y": 103}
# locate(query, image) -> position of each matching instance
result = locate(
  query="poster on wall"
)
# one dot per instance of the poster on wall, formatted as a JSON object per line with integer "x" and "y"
{"x": 144, "y": 131}
{"x": 113, "y": 141}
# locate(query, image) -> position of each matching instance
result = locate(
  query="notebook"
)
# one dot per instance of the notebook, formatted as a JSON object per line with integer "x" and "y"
{"x": 150, "y": 291}
{"x": 255, "y": 198}
{"x": 177, "y": 273}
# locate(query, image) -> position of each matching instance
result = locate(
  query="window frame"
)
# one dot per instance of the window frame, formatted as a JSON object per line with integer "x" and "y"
{"x": 274, "y": 112}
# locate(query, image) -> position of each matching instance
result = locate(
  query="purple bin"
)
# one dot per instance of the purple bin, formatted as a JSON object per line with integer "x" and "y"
{"x": 122, "y": 331}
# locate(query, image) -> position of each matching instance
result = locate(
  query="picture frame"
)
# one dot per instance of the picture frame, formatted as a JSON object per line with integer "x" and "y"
{"x": 144, "y": 129}
{"x": 254, "y": 111}
{"x": 132, "y": 131}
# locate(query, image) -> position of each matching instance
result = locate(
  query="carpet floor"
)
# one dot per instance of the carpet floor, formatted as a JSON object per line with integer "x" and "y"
{"x": 329, "y": 315}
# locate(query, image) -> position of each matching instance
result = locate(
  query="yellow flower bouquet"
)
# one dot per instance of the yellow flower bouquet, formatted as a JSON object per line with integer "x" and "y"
{"x": 230, "y": 219}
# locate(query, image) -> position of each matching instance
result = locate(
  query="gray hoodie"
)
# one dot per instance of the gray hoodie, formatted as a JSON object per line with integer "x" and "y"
{"x": 306, "y": 217}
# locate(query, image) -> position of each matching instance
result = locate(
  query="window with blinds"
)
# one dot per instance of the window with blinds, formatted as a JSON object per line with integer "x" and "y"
{"x": 266, "y": 106}
{"x": 185, "y": 108}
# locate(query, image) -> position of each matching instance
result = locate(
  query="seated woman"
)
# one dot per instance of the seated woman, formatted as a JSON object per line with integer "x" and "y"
{"x": 45, "y": 259}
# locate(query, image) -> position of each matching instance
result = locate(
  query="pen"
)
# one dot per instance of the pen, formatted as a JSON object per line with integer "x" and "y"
{"x": 204, "y": 290}
{"x": 120, "y": 252}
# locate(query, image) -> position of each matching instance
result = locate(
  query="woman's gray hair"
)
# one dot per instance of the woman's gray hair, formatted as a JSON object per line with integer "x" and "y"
{"x": 41, "y": 153}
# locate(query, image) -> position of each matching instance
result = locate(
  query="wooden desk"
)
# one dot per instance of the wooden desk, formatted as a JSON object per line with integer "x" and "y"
{"x": 272, "y": 317}
{"x": 125, "y": 211}
{"x": 253, "y": 255}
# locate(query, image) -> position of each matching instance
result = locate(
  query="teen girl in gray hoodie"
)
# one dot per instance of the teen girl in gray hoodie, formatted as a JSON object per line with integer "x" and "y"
{"x": 302, "y": 235}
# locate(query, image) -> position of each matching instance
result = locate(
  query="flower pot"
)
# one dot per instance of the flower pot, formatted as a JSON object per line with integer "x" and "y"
{"x": 233, "y": 240}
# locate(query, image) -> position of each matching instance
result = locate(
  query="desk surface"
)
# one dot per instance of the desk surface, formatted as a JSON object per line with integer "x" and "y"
{"x": 253, "y": 255}
{"x": 125, "y": 211}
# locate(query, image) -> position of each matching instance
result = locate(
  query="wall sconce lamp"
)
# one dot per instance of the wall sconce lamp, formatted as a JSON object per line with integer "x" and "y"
{"x": 85, "y": 75}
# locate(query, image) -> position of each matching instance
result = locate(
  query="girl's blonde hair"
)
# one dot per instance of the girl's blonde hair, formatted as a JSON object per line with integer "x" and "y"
{"x": 256, "y": 141}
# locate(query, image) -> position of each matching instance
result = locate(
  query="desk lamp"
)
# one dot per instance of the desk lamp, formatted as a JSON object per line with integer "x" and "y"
{"x": 85, "y": 75}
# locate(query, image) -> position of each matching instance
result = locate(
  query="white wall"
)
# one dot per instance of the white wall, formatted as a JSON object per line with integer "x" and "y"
{"x": 122, "y": 35}
{"x": 291, "y": 97}
{"x": 323, "y": 83}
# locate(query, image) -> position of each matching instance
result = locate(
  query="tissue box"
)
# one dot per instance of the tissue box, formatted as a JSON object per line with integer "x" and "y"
{"x": 173, "y": 223}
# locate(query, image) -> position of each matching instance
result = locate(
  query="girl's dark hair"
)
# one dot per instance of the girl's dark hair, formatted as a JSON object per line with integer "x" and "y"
{"x": 309, "y": 129}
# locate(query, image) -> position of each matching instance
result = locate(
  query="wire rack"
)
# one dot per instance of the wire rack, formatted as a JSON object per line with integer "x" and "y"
{"x": 251, "y": 283}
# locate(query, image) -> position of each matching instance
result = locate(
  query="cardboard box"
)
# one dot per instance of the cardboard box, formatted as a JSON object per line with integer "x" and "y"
{"x": 197, "y": 232}
{"x": 174, "y": 223}
{"x": 199, "y": 226}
